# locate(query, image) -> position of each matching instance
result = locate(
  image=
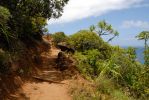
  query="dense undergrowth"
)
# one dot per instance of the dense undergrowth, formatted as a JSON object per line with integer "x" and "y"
{"x": 114, "y": 71}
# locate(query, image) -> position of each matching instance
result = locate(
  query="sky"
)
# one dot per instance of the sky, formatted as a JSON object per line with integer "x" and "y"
{"x": 128, "y": 17}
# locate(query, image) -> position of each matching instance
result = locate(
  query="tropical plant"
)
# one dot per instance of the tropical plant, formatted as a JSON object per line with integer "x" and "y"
{"x": 103, "y": 28}
{"x": 85, "y": 40}
{"x": 59, "y": 37}
{"x": 131, "y": 53}
{"x": 145, "y": 36}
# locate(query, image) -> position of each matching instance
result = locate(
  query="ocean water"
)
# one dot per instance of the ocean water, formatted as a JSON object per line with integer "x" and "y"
{"x": 139, "y": 53}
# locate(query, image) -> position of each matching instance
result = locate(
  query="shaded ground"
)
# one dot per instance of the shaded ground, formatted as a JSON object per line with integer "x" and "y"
{"x": 50, "y": 85}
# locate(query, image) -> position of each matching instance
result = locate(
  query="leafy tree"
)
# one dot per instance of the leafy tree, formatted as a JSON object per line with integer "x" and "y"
{"x": 145, "y": 36}
{"x": 103, "y": 28}
{"x": 119, "y": 65}
{"x": 59, "y": 37}
{"x": 131, "y": 53}
{"x": 42, "y": 8}
{"x": 85, "y": 40}
{"x": 29, "y": 17}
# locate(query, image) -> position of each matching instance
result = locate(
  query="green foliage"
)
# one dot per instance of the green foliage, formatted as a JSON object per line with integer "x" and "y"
{"x": 142, "y": 86}
{"x": 102, "y": 89}
{"x": 28, "y": 19}
{"x": 128, "y": 69}
{"x": 85, "y": 40}
{"x": 91, "y": 63}
{"x": 103, "y": 28}
{"x": 131, "y": 53}
{"x": 42, "y": 8}
{"x": 82, "y": 64}
{"x": 119, "y": 95}
{"x": 92, "y": 28}
{"x": 59, "y": 37}
{"x": 107, "y": 86}
{"x": 38, "y": 23}
{"x": 85, "y": 91}
{"x": 96, "y": 58}
{"x": 4, "y": 15}
{"x": 4, "y": 29}
{"x": 104, "y": 85}
{"x": 145, "y": 36}
{"x": 120, "y": 67}
{"x": 87, "y": 62}
{"x": 22, "y": 24}
{"x": 109, "y": 69}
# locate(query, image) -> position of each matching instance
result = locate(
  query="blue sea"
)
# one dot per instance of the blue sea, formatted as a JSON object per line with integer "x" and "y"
{"x": 139, "y": 52}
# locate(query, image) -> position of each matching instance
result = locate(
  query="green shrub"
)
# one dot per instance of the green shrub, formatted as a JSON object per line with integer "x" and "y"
{"x": 85, "y": 40}
{"x": 59, "y": 37}
{"x": 82, "y": 64}
{"x": 131, "y": 53}
{"x": 91, "y": 63}
{"x": 4, "y": 17}
{"x": 85, "y": 91}
{"x": 87, "y": 62}
{"x": 119, "y": 95}
{"x": 100, "y": 89}
{"x": 107, "y": 86}
{"x": 121, "y": 67}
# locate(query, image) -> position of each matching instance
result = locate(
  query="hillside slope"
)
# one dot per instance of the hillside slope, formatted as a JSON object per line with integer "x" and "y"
{"x": 49, "y": 84}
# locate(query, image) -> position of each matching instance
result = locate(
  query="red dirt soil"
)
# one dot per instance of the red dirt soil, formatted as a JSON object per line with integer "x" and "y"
{"x": 33, "y": 90}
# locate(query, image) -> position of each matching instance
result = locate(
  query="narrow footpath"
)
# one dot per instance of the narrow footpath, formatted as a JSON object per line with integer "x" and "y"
{"x": 53, "y": 89}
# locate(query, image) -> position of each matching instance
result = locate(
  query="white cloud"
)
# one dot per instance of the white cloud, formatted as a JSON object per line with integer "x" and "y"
{"x": 135, "y": 24}
{"x": 80, "y": 9}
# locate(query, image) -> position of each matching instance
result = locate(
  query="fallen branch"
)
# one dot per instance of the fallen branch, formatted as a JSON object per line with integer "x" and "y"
{"x": 46, "y": 80}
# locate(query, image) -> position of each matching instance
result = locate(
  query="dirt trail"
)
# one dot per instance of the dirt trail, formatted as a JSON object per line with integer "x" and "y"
{"x": 46, "y": 90}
